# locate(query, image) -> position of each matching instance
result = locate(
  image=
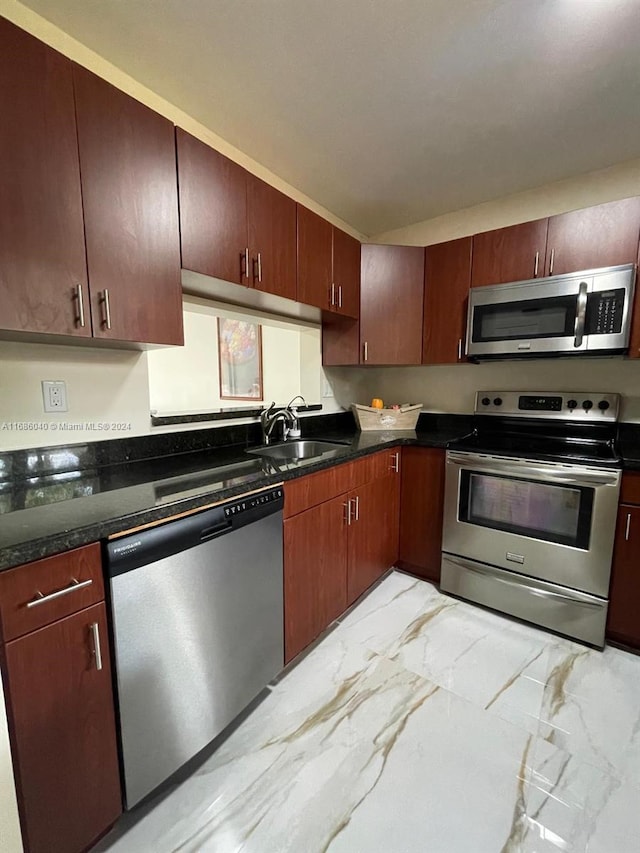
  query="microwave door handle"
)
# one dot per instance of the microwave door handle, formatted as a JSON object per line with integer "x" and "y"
{"x": 581, "y": 314}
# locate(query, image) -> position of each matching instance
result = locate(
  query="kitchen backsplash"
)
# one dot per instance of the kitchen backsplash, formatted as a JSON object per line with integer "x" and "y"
{"x": 451, "y": 388}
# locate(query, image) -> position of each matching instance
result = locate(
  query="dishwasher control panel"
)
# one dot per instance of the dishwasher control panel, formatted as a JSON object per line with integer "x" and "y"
{"x": 253, "y": 501}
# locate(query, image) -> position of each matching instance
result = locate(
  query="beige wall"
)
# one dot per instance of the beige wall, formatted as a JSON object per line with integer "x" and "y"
{"x": 107, "y": 386}
{"x": 187, "y": 378}
{"x": 451, "y": 388}
{"x": 52, "y": 35}
{"x": 616, "y": 182}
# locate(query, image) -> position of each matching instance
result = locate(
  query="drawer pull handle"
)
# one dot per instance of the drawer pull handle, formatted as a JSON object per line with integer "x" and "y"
{"x": 97, "y": 651}
{"x": 75, "y": 584}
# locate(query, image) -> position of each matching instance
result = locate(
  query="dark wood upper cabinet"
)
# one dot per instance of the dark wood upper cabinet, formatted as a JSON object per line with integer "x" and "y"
{"x": 272, "y": 238}
{"x": 421, "y": 510}
{"x": 60, "y": 708}
{"x": 340, "y": 340}
{"x": 391, "y": 304}
{"x": 346, "y": 273}
{"x": 623, "y": 623}
{"x": 213, "y": 211}
{"x": 602, "y": 236}
{"x": 130, "y": 198}
{"x": 447, "y": 277}
{"x": 315, "y": 578}
{"x": 509, "y": 254}
{"x": 42, "y": 252}
{"x": 315, "y": 260}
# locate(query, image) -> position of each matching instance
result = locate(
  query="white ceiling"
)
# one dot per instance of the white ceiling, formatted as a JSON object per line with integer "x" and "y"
{"x": 388, "y": 112}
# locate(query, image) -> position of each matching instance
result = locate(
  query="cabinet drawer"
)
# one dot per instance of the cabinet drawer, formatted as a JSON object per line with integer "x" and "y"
{"x": 317, "y": 488}
{"x": 375, "y": 466}
{"x": 39, "y": 593}
{"x": 630, "y": 492}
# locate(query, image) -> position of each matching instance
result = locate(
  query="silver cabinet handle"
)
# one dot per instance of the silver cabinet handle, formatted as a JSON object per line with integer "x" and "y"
{"x": 395, "y": 462}
{"x": 333, "y": 294}
{"x": 356, "y": 513}
{"x": 365, "y": 348}
{"x": 260, "y": 266}
{"x": 42, "y": 599}
{"x": 553, "y": 254}
{"x": 459, "y": 349}
{"x": 244, "y": 263}
{"x": 339, "y": 296}
{"x": 627, "y": 529}
{"x": 107, "y": 308}
{"x": 581, "y": 313}
{"x": 80, "y": 298}
{"x": 347, "y": 516}
{"x": 97, "y": 652}
{"x": 535, "y": 265}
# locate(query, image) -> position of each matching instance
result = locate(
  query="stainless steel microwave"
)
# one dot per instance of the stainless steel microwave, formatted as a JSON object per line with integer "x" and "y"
{"x": 585, "y": 312}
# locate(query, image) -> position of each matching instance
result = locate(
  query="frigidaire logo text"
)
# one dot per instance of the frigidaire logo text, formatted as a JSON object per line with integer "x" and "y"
{"x": 131, "y": 546}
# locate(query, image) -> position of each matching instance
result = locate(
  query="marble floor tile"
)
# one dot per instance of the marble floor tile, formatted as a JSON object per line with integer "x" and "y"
{"x": 591, "y": 707}
{"x": 419, "y": 725}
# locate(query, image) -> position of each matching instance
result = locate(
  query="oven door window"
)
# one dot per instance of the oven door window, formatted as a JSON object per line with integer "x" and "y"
{"x": 553, "y": 317}
{"x": 552, "y": 512}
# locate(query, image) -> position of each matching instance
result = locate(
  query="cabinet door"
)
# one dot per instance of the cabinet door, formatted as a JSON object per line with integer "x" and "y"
{"x": 508, "y": 254}
{"x": 213, "y": 211}
{"x": 130, "y": 197}
{"x": 623, "y": 623}
{"x": 62, "y": 718}
{"x": 42, "y": 255}
{"x": 600, "y": 236}
{"x": 315, "y": 573}
{"x": 421, "y": 508}
{"x": 346, "y": 273}
{"x": 272, "y": 238}
{"x": 373, "y": 533}
{"x": 447, "y": 278}
{"x": 315, "y": 251}
{"x": 391, "y": 304}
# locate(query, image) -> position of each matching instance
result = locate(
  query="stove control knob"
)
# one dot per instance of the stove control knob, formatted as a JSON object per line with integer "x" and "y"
{"x": 572, "y": 404}
{"x": 497, "y": 401}
{"x": 603, "y": 405}
{"x": 485, "y": 401}
{"x": 587, "y": 405}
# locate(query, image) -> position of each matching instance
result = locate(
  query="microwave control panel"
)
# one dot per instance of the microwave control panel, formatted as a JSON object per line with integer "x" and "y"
{"x": 605, "y": 310}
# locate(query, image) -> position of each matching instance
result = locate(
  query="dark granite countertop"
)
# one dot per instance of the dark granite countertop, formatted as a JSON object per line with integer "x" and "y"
{"x": 54, "y": 499}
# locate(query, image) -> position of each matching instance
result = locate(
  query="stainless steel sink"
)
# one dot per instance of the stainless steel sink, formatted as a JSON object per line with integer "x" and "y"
{"x": 297, "y": 449}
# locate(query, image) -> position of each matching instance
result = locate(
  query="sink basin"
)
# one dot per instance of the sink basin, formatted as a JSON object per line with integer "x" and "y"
{"x": 298, "y": 449}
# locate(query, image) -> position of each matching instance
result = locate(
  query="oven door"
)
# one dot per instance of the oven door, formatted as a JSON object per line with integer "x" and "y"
{"x": 546, "y": 520}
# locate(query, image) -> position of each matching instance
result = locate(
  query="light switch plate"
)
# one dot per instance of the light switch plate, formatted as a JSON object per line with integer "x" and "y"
{"x": 54, "y": 394}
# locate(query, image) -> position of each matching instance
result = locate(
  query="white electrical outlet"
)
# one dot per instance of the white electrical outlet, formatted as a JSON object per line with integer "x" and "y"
{"x": 54, "y": 394}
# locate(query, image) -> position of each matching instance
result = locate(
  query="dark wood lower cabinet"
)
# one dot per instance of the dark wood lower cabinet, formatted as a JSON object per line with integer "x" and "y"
{"x": 421, "y": 507}
{"x": 61, "y": 713}
{"x": 623, "y": 623}
{"x": 315, "y": 573}
{"x": 373, "y": 533}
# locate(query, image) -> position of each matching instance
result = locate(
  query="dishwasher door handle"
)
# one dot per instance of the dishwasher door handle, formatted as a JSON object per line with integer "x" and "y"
{"x": 215, "y": 530}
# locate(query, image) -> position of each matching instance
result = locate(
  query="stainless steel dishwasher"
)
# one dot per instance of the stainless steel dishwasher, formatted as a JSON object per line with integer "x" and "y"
{"x": 198, "y": 630}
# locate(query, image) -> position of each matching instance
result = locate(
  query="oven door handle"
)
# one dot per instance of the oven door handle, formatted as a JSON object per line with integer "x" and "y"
{"x": 581, "y": 314}
{"x": 576, "y": 598}
{"x": 569, "y": 475}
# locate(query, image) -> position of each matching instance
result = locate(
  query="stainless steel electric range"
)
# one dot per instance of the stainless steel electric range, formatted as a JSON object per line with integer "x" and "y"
{"x": 531, "y": 497}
